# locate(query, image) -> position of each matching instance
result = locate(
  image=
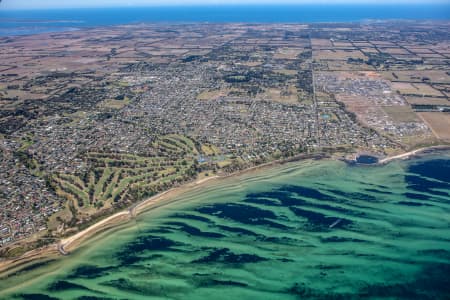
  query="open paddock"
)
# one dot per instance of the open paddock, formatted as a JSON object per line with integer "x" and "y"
{"x": 362, "y": 44}
{"x": 394, "y": 51}
{"x": 342, "y": 44}
{"x": 444, "y": 89}
{"x": 435, "y": 76}
{"x": 409, "y": 56}
{"x": 321, "y": 43}
{"x": 401, "y": 113}
{"x": 288, "y": 53}
{"x": 369, "y": 50}
{"x": 384, "y": 44}
{"x": 338, "y": 54}
{"x": 418, "y": 50}
{"x": 432, "y": 55}
{"x": 286, "y": 72}
{"x": 343, "y": 65}
{"x": 420, "y": 89}
{"x": 427, "y": 100}
{"x": 439, "y": 123}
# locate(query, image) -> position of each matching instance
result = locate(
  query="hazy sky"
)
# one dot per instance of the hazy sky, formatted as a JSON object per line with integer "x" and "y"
{"x": 33, "y": 4}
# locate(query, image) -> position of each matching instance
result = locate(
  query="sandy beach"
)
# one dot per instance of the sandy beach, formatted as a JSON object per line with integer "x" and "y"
{"x": 69, "y": 244}
{"x": 412, "y": 153}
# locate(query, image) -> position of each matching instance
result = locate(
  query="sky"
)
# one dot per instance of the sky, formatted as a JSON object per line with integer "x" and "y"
{"x": 50, "y": 4}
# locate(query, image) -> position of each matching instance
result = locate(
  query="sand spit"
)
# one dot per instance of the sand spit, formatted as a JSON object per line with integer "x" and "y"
{"x": 412, "y": 153}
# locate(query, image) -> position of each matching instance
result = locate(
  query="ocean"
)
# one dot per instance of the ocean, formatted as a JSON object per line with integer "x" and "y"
{"x": 303, "y": 230}
{"x": 37, "y": 21}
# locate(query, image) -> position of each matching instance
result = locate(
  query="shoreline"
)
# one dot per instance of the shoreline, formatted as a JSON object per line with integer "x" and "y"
{"x": 65, "y": 245}
{"x": 408, "y": 155}
{"x": 69, "y": 244}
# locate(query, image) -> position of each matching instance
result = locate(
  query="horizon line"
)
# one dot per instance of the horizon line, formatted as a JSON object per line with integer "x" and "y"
{"x": 168, "y": 5}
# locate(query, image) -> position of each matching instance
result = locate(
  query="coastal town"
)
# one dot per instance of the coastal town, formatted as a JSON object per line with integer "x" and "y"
{"x": 95, "y": 120}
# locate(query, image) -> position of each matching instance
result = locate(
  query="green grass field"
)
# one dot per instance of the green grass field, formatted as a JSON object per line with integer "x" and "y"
{"x": 118, "y": 178}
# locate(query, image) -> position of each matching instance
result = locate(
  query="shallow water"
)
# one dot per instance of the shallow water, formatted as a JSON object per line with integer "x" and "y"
{"x": 309, "y": 230}
{"x": 366, "y": 159}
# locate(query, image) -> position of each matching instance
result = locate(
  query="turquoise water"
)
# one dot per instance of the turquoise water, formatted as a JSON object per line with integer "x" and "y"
{"x": 16, "y": 22}
{"x": 307, "y": 230}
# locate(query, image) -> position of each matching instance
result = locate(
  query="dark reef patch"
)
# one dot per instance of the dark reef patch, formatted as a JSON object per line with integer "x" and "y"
{"x": 284, "y": 197}
{"x": 280, "y": 240}
{"x": 62, "y": 285}
{"x": 410, "y": 203}
{"x": 242, "y": 213}
{"x": 432, "y": 282}
{"x": 330, "y": 208}
{"x": 308, "y": 192}
{"x": 150, "y": 242}
{"x": 421, "y": 184}
{"x": 350, "y": 196}
{"x": 36, "y": 297}
{"x": 130, "y": 253}
{"x": 94, "y": 298}
{"x": 123, "y": 284}
{"x": 438, "y": 169}
{"x": 148, "y": 289}
{"x": 237, "y": 230}
{"x": 195, "y": 231}
{"x": 90, "y": 272}
{"x": 318, "y": 220}
{"x": 192, "y": 217}
{"x": 416, "y": 196}
{"x": 300, "y": 289}
{"x": 224, "y": 255}
{"x": 441, "y": 253}
{"x": 336, "y": 239}
{"x": 378, "y": 191}
{"x": 215, "y": 282}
